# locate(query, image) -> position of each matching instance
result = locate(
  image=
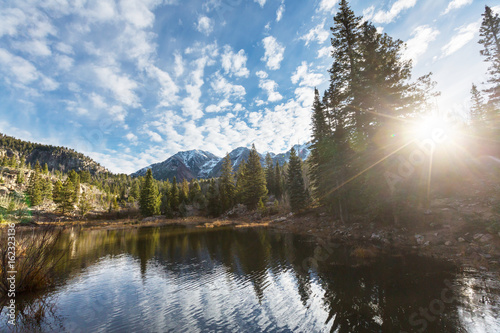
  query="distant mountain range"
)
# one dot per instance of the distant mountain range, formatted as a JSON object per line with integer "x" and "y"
{"x": 202, "y": 164}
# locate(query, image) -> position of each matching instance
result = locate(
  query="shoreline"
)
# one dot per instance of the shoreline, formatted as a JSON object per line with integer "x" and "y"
{"x": 462, "y": 244}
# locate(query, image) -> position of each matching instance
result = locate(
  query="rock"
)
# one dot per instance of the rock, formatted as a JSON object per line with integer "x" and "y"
{"x": 486, "y": 238}
{"x": 448, "y": 243}
{"x": 280, "y": 219}
{"x": 419, "y": 239}
{"x": 427, "y": 243}
{"x": 436, "y": 234}
{"x": 461, "y": 240}
{"x": 477, "y": 236}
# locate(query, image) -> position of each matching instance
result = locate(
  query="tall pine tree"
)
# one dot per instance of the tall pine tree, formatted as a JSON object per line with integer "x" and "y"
{"x": 149, "y": 201}
{"x": 254, "y": 180}
{"x": 295, "y": 183}
{"x": 490, "y": 39}
{"x": 226, "y": 185}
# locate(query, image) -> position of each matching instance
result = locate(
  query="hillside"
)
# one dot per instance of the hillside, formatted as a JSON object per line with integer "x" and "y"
{"x": 57, "y": 158}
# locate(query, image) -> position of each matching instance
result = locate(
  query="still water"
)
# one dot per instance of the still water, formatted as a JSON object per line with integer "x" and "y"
{"x": 251, "y": 280}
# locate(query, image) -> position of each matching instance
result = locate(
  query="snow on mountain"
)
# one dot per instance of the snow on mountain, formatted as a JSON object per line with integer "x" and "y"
{"x": 202, "y": 164}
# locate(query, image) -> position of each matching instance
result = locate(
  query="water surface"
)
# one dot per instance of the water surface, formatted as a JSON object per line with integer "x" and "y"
{"x": 251, "y": 280}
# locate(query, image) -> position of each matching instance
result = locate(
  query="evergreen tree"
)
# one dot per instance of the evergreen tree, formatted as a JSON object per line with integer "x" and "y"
{"x": 254, "y": 180}
{"x": 149, "y": 201}
{"x": 46, "y": 188}
{"x": 195, "y": 195}
{"x": 84, "y": 204}
{"x": 477, "y": 110}
{"x": 240, "y": 182}
{"x": 35, "y": 186}
{"x": 226, "y": 185}
{"x": 135, "y": 190}
{"x": 20, "y": 177}
{"x": 278, "y": 181}
{"x": 57, "y": 192}
{"x": 490, "y": 39}
{"x": 214, "y": 207}
{"x": 22, "y": 163}
{"x": 165, "y": 207}
{"x": 271, "y": 187}
{"x": 13, "y": 162}
{"x": 45, "y": 170}
{"x": 184, "y": 191}
{"x": 174, "y": 196}
{"x": 295, "y": 183}
{"x": 66, "y": 203}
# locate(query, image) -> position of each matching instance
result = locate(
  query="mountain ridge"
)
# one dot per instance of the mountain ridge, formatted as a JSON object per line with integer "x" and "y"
{"x": 201, "y": 164}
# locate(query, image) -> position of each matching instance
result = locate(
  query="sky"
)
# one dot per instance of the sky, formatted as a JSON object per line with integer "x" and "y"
{"x": 131, "y": 82}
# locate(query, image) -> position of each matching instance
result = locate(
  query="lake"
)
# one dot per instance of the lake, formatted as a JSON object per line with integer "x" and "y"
{"x": 175, "y": 279}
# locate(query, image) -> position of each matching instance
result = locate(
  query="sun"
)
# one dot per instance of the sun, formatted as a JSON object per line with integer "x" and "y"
{"x": 437, "y": 129}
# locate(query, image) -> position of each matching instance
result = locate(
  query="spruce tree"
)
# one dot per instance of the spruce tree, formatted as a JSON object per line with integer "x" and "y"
{"x": 478, "y": 109}
{"x": 490, "y": 39}
{"x": 184, "y": 191}
{"x": 57, "y": 192}
{"x": 45, "y": 170}
{"x": 135, "y": 190}
{"x": 214, "y": 204}
{"x": 240, "y": 182}
{"x": 66, "y": 203}
{"x": 295, "y": 183}
{"x": 278, "y": 181}
{"x": 254, "y": 184}
{"x": 271, "y": 187}
{"x": 149, "y": 201}
{"x": 20, "y": 177}
{"x": 35, "y": 187}
{"x": 174, "y": 196}
{"x": 84, "y": 204}
{"x": 226, "y": 185}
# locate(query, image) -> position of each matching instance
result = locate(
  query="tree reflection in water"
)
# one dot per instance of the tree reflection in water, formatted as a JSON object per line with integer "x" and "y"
{"x": 251, "y": 279}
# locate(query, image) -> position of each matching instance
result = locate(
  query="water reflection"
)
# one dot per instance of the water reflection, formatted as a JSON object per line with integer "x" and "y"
{"x": 252, "y": 280}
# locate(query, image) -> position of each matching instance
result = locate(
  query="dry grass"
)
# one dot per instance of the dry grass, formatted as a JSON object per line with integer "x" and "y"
{"x": 37, "y": 256}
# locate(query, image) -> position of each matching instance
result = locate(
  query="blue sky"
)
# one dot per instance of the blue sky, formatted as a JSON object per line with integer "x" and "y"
{"x": 131, "y": 82}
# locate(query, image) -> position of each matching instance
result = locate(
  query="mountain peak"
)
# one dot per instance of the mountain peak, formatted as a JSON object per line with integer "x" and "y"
{"x": 198, "y": 163}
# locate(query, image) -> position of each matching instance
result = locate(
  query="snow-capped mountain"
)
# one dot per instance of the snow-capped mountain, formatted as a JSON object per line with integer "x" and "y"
{"x": 183, "y": 165}
{"x": 202, "y": 164}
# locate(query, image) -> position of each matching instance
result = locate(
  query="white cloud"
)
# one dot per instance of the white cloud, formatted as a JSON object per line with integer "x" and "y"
{"x": 33, "y": 47}
{"x": 234, "y": 63}
{"x": 389, "y": 16}
{"x": 155, "y": 137}
{"x": 18, "y": 67}
{"x": 318, "y": 34}
{"x": 222, "y": 106}
{"x": 306, "y": 78}
{"x": 121, "y": 85}
{"x": 465, "y": 34}
{"x": 179, "y": 64}
{"x": 280, "y": 11}
{"x": 49, "y": 84}
{"x": 325, "y": 51}
{"x": 261, "y": 2}
{"x": 221, "y": 86}
{"x": 262, "y": 75}
{"x": 168, "y": 91}
{"x": 204, "y": 25}
{"x": 11, "y": 19}
{"x": 270, "y": 86}
{"x": 305, "y": 95}
{"x": 64, "y": 62}
{"x": 134, "y": 11}
{"x": 419, "y": 43}
{"x": 117, "y": 113}
{"x": 455, "y": 4}
{"x": 273, "y": 53}
{"x": 327, "y": 5}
